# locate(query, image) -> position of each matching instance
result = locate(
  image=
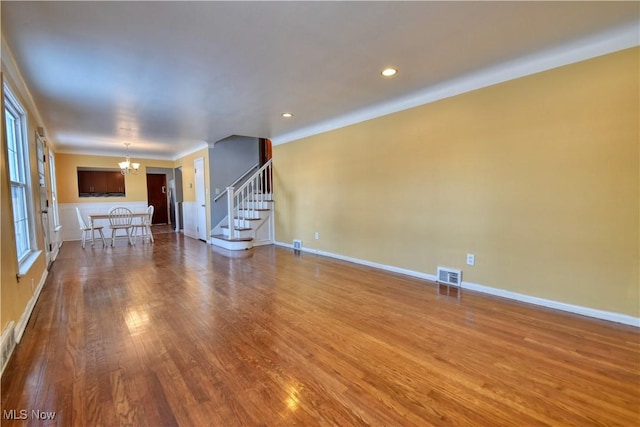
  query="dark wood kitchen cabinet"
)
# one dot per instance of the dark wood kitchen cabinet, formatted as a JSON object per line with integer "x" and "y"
{"x": 115, "y": 182}
{"x": 85, "y": 182}
{"x": 100, "y": 183}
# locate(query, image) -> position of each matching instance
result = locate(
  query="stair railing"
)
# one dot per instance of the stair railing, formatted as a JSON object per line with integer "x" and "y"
{"x": 244, "y": 203}
{"x": 240, "y": 178}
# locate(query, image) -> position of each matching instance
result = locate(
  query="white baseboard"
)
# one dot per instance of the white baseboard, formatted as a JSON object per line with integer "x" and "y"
{"x": 7, "y": 345}
{"x": 262, "y": 243}
{"x": 24, "y": 319}
{"x": 585, "y": 311}
{"x": 191, "y": 235}
{"x": 55, "y": 250}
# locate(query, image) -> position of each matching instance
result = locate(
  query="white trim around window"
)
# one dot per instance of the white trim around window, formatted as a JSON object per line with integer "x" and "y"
{"x": 20, "y": 182}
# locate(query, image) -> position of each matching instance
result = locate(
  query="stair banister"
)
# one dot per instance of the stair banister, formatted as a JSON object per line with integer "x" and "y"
{"x": 257, "y": 186}
{"x": 233, "y": 184}
{"x": 230, "y": 215}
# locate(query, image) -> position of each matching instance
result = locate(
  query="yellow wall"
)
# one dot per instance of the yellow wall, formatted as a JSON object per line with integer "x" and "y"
{"x": 67, "y": 177}
{"x": 538, "y": 177}
{"x": 188, "y": 178}
{"x": 14, "y": 294}
{"x": 188, "y": 181}
{"x": 136, "y": 185}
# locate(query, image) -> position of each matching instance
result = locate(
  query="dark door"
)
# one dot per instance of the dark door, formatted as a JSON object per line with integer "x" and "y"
{"x": 265, "y": 155}
{"x": 157, "y": 196}
{"x": 265, "y": 150}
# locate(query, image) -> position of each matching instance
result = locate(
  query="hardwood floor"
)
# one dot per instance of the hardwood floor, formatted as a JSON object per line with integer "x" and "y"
{"x": 176, "y": 333}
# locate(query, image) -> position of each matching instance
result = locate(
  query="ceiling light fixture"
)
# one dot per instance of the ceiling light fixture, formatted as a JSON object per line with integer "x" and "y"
{"x": 287, "y": 115}
{"x": 389, "y": 72}
{"x": 127, "y": 167}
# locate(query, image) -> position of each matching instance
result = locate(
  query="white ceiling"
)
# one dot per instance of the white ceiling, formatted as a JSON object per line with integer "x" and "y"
{"x": 170, "y": 76}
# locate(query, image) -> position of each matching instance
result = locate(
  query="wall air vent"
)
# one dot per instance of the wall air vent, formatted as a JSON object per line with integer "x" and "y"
{"x": 297, "y": 244}
{"x": 449, "y": 276}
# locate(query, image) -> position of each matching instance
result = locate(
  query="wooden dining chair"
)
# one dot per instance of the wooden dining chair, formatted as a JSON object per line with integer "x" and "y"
{"x": 144, "y": 226}
{"x": 89, "y": 230}
{"x": 121, "y": 219}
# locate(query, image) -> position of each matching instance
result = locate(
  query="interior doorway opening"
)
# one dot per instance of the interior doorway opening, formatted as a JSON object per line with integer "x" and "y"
{"x": 158, "y": 194}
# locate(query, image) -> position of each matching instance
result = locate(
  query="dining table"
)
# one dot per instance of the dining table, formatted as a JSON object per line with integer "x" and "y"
{"x": 97, "y": 216}
{"x": 106, "y": 216}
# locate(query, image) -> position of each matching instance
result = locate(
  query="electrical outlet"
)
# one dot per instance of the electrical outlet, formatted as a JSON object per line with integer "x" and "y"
{"x": 471, "y": 259}
{"x": 297, "y": 244}
{"x": 317, "y": 235}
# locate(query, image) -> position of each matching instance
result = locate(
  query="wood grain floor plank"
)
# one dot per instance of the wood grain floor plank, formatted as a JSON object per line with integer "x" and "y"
{"x": 177, "y": 333}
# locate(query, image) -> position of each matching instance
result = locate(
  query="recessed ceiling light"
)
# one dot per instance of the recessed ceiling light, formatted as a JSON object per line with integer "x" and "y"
{"x": 287, "y": 115}
{"x": 388, "y": 72}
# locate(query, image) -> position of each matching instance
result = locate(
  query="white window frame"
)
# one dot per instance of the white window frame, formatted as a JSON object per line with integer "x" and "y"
{"x": 25, "y": 231}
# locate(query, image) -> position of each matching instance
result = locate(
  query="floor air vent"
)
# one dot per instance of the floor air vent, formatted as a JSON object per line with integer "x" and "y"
{"x": 449, "y": 276}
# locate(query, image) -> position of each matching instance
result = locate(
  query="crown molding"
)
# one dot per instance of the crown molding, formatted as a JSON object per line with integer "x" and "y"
{"x": 192, "y": 150}
{"x": 115, "y": 155}
{"x": 10, "y": 66}
{"x": 621, "y": 38}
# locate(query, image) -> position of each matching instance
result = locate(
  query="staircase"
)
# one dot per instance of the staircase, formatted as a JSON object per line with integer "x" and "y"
{"x": 249, "y": 221}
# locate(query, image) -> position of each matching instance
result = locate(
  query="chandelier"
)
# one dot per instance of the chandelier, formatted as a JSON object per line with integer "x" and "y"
{"x": 127, "y": 167}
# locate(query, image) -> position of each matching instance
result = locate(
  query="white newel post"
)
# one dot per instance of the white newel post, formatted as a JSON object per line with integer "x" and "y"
{"x": 230, "y": 209}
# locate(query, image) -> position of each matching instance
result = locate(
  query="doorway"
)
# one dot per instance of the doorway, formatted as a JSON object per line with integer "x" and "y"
{"x": 157, "y": 196}
{"x": 201, "y": 197}
{"x": 176, "y": 192}
{"x": 265, "y": 153}
{"x": 44, "y": 198}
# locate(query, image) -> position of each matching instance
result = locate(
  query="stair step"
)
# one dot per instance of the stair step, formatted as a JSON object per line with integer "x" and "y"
{"x": 256, "y": 209}
{"x": 236, "y": 228}
{"x": 223, "y": 237}
{"x": 247, "y": 219}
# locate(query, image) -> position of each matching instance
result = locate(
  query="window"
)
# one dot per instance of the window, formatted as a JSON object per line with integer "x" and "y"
{"x": 19, "y": 178}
